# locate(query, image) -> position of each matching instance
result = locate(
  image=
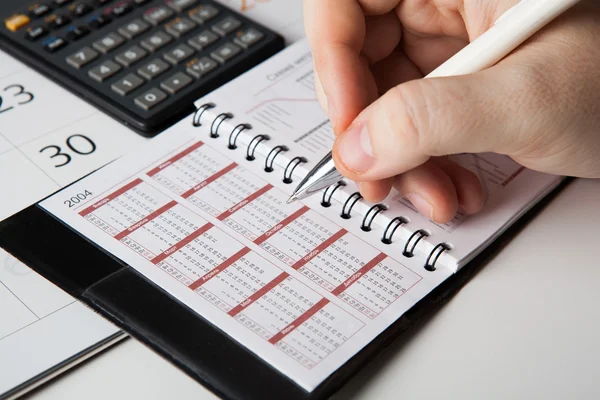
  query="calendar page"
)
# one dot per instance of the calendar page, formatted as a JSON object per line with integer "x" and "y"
{"x": 202, "y": 212}
{"x": 48, "y": 139}
{"x": 296, "y": 284}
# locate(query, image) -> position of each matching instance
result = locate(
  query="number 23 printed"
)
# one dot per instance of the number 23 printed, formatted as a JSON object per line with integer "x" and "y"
{"x": 18, "y": 94}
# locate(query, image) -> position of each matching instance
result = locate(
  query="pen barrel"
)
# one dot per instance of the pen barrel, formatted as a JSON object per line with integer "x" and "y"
{"x": 510, "y": 30}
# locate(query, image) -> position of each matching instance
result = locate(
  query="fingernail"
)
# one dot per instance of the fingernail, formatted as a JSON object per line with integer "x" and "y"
{"x": 354, "y": 148}
{"x": 421, "y": 204}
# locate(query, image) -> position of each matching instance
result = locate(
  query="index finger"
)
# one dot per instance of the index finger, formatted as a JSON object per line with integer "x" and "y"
{"x": 336, "y": 30}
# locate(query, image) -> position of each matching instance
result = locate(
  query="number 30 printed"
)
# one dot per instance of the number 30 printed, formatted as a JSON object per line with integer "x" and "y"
{"x": 78, "y": 144}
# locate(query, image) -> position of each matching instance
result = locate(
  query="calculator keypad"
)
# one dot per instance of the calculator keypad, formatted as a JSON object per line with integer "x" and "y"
{"x": 108, "y": 43}
{"x": 104, "y": 71}
{"x": 83, "y": 57}
{"x": 153, "y": 69}
{"x": 156, "y": 41}
{"x": 134, "y": 28}
{"x": 127, "y": 84}
{"x": 145, "y": 56}
{"x": 131, "y": 56}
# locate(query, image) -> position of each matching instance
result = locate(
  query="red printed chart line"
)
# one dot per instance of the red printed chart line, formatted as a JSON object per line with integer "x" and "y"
{"x": 174, "y": 159}
{"x": 258, "y": 294}
{"x": 209, "y": 180}
{"x": 512, "y": 177}
{"x": 275, "y": 100}
{"x": 110, "y": 197}
{"x": 319, "y": 249}
{"x": 228, "y": 213}
{"x": 298, "y": 321}
{"x": 185, "y": 241}
{"x": 358, "y": 274}
{"x": 285, "y": 222}
{"x": 145, "y": 220}
{"x": 219, "y": 268}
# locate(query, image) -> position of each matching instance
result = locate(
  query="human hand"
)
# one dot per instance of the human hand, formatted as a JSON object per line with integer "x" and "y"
{"x": 540, "y": 105}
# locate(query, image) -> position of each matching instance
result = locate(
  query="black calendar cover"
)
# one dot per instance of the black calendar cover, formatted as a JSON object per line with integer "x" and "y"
{"x": 204, "y": 352}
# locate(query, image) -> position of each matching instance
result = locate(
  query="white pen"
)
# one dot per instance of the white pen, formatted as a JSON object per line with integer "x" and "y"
{"x": 511, "y": 29}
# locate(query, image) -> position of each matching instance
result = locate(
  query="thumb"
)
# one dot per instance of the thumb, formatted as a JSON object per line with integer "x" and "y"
{"x": 430, "y": 117}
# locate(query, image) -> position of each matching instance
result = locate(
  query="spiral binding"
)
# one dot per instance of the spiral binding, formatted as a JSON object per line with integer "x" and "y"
{"x": 412, "y": 241}
{"x": 289, "y": 169}
{"x": 349, "y": 204}
{"x": 370, "y": 216}
{"x": 214, "y": 127}
{"x": 391, "y": 228}
{"x": 351, "y": 201}
{"x": 272, "y": 155}
{"x": 253, "y": 144}
{"x": 328, "y": 193}
{"x": 199, "y": 111}
{"x": 432, "y": 259}
{"x": 235, "y": 133}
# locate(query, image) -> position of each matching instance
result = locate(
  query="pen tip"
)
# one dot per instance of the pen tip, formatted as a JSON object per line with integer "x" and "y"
{"x": 291, "y": 200}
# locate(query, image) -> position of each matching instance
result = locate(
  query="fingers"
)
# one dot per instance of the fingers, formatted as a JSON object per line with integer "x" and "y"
{"x": 382, "y": 36}
{"x": 394, "y": 70}
{"x": 374, "y": 192}
{"x": 437, "y": 189}
{"x": 430, "y": 117}
{"x": 468, "y": 188}
{"x": 430, "y": 190}
{"x": 336, "y": 32}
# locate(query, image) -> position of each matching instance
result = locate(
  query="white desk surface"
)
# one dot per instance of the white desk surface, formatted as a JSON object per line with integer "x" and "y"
{"x": 525, "y": 327}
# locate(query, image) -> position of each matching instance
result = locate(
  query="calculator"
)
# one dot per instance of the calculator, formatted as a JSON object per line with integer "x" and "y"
{"x": 144, "y": 62}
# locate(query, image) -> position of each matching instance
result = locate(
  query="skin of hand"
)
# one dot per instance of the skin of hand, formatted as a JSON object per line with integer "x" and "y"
{"x": 540, "y": 105}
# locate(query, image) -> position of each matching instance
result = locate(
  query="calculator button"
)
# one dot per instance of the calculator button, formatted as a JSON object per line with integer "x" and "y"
{"x": 127, "y": 84}
{"x": 248, "y": 37}
{"x": 226, "y": 26}
{"x": 38, "y": 10}
{"x": 179, "y": 54}
{"x": 104, "y": 71}
{"x": 53, "y": 44}
{"x": 157, "y": 15}
{"x": 82, "y": 57}
{"x": 179, "y": 27}
{"x": 140, "y": 2}
{"x": 150, "y": 99}
{"x": 180, "y": 5}
{"x": 34, "y": 34}
{"x": 156, "y": 41}
{"x": 80, "y": 9}
{"x": 175, "y": 83}
{"x": 77, "y": 32}
{"x": 121, "y": 9}
{"x": 57, "y": 21}
{"x": 108, "y": 43}
{"x": 131, "y": 56}
{"x": 200, "y": 67}
{"x": 134, "y": 28}
{"x": 153, "y": 69}
{"x": 203, "y": 13}
{"x": 60, "y": 3}
{"x": 98, "y": 21}
{"x": 102, "y": 2}
{"x": 202, "y": 40}
{"x": 16, "y": 22}
{"x": 225, "y": 52}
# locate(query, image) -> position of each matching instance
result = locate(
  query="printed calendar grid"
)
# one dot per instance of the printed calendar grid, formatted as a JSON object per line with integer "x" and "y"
{"x": 123, "y": 237}
{"x": 286, "y": 337}
{"x": 338, "y": 290}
